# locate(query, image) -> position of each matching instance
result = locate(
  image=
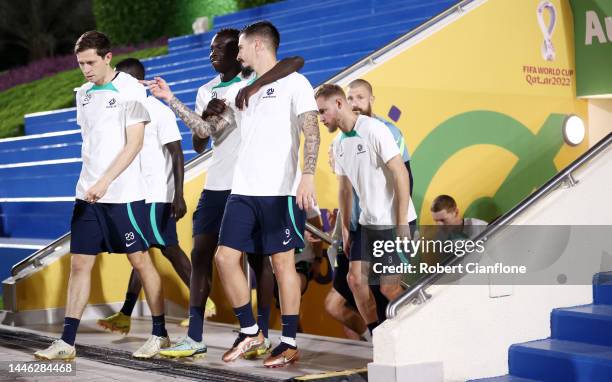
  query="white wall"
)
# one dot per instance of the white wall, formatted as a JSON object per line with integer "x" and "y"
{"x": 470, "y": 331}
{"x": 600, "y": 119}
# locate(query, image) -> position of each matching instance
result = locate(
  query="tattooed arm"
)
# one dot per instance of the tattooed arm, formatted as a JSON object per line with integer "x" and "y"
{"x": 200, "y": 127}
{"x": 310, "y": 126}
{"x": 309, "y": 123}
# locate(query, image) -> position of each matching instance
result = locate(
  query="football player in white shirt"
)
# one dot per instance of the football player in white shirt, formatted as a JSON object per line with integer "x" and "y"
{"x": 211, "y": 206}
{"x": 265, "y": 211}
{"x": 444, "y": 212}
{"x": 368, "y": 160}
{"x": 163, "y": 168}
{"x": 361, "y": 98}
{"x": 109, "y": 212}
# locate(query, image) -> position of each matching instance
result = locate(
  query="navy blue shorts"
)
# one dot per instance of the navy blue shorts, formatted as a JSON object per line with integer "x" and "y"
{"x": 209, "y": 212}
{"x": 108, "y": 227}
{"x": 161, "y": 230}
{"x": 262, "y": 224}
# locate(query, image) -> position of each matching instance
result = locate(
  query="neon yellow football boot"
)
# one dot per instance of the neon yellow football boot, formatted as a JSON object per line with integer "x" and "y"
{"x": 118, "y": 322}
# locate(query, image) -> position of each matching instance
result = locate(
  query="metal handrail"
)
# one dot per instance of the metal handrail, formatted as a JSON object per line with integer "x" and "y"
{"x": 36, "y": 258}
{"x": 318, "y": 233}
{"x": 418, "y": 289}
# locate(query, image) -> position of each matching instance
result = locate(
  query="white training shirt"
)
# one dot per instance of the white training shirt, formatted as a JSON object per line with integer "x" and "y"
{"x": 473, "y": 226}
{"x": 268, "y": 158}
{"x": 361, "y": 155}
{"x": 104, "y": 112}
{"x": 307, "y": 253}
{"x": 155, "y": 159}
{"x": 225, "y": 147}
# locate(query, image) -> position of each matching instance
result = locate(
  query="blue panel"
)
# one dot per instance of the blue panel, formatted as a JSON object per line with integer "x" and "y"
{"x": 51, "y": 117}
{"x": 588, "y": 323}
{"x": 36, "y": 226}
{"x": 40, "y": 186}
{"x": 23, "y": 144}
{"x": 504, "y": 378}
{"x": 10, "y": 257}
{"x": 72, "y": 150}
{"x": 602, "y": 288}
{"x": 15, "y": 173}
{"x": 561, "y": 361}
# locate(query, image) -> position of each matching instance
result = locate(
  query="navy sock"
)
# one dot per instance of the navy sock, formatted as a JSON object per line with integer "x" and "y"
{"x": 129, "y": 303}
{"x": 245, "y": 316}
{"x": 290, "y": 324}
{"x": 70, "y": 329}
{"x": 159, "y": 326}
{"x": 281, "y": 347}
{"x": 196, "y": 322}
{"x": 263, "y": 319}
{"x": 372, "y": 326}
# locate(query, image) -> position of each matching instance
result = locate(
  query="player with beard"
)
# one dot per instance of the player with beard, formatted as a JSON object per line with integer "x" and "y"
{"x": 367, "y": 162}
{"x": 226, "y": 144}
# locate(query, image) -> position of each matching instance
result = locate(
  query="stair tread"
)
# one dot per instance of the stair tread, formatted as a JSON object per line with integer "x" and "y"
{"x": 603, "y": 278}
{"x": 567, "y": 349}
{"x": 600, "y": 311}
{"x": 504, "y": 378}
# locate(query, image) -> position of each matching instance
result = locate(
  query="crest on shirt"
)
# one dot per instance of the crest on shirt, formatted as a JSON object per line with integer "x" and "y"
{"x": 360, "y": 149}
{"x": 86, "y": 99}
{"x": 270, "y": 93}
{"x": 112, "y": 103}
{"x": 214, "y": 94}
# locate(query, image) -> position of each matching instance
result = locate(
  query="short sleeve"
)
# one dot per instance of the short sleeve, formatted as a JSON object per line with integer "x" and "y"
{"x": 382, "y": 141}
{"x": 399, "y": 138}
{"x": 302, "y": 96}
{"x": 79, "y": 108}
{"x": 167, "y": 128}
{"x": 135, "y": 105}
{"x": 202, "y": 99}
{"x": 337, "y": 166}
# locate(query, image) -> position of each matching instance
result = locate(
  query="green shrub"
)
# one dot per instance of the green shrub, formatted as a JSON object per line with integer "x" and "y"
{"x": 198, "y": 8}
{"x": 50, "y": 93}
{"x": 134, "y": 21}
{"x": 244, "y": 4}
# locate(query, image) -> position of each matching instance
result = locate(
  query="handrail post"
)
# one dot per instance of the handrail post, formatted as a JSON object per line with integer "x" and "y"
{"x": 571, "y": 181}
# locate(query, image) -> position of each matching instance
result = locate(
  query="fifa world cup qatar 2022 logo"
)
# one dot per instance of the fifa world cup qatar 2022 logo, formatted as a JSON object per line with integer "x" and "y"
{"x": 548, "y": 50}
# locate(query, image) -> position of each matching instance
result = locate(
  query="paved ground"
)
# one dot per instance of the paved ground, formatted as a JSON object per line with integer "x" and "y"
{"x": 319, "y": 354}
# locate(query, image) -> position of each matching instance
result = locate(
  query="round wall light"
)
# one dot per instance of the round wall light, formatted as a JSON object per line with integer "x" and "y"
{"x": 573, "y": 130}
